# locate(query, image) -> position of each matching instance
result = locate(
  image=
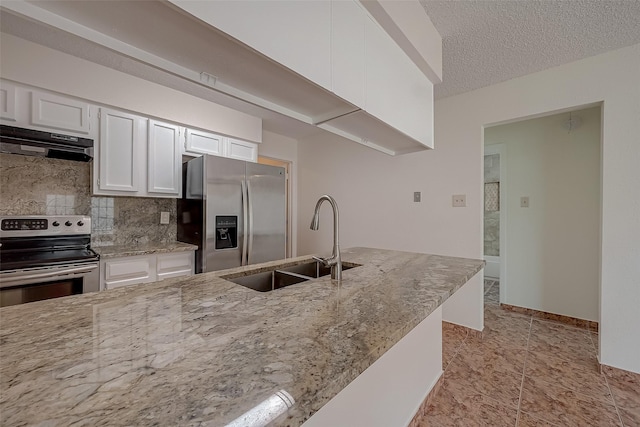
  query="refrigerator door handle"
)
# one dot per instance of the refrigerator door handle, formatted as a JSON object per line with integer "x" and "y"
{"x": 250, "y": 204}
{"x": 245, "y": 231}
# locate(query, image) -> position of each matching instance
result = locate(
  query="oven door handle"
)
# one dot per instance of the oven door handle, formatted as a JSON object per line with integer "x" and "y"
{"x": 11, "y": 277}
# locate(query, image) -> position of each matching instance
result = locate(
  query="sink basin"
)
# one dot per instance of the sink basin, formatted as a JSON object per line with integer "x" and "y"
{"x": 285, "y": 276}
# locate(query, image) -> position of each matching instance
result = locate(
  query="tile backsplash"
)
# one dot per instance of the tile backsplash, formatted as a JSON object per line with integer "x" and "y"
{"x": 41, "y": 186}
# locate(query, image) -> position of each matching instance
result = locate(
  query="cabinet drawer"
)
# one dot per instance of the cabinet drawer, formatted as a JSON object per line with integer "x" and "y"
{"x": 129, "y": 271}
{"x": 175, "y": 265}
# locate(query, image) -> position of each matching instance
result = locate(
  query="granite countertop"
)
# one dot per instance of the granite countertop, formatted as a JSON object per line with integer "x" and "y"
{"x": 202, "y": 350}
{"x": 142, "y": 249}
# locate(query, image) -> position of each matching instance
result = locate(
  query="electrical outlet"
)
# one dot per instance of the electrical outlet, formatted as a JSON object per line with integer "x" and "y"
{"x": 459, "y": 200}
{"x": 524, "y": 201}
{"x": 164, "y": 217}
{"x": 417, "y": 196}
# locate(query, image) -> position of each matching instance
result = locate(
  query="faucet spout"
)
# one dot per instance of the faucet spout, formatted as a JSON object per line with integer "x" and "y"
{"x": 335, "y": 262}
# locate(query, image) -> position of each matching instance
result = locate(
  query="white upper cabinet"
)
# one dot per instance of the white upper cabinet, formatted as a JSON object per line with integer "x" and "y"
{"x": 381, "y": 99}
{"x": 347, "y": 50}
{"x": 201, "y": 142}
{"x": 241, "y": 150}
{"x": 119, "y": 152}
{"x": 56, "y": 112}
{"x": 296, "y": 34}
{"x": 164, "y": 159}
{"x": 7, "y": 101}
{"x": 137, "y": 156}
{"x": 396, "y": 91}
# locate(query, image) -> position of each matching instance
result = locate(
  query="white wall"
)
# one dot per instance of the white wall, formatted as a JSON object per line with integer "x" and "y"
{"x": 375, "y": 191}
{"x": 32, "y": 64}
{"x": 553, "y": 245}
{"x": 375, "y": 195}
{"x": 284, "y": 148}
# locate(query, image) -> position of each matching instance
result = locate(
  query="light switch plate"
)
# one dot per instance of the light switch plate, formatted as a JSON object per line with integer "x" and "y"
{"x": 459, "y": 200}
{"x": 524, "y": 201}
{"x": 417, "y": 196}
{"x": 164, "y": 217}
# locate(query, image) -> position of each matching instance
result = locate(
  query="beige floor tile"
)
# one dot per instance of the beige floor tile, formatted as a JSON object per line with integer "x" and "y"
{"x": 564, "y": 407}
{"x": 487, "y": 355}
{"x": 528, "y": 420}
{"x": 539, "y": 326}
{"x": 595, "y": 340}
{"x": 498, "y": 318}
{"x": 625, "y": 387}
{"x": 579, "y": 377}
{"x": 463, "y": 381}
{"x": 452, "y": 338}
{"x": 503, "y": 336}
{"x": 562, "y": 341}
{"x": 472, "y": 410}
{"x": 630, "y": 418}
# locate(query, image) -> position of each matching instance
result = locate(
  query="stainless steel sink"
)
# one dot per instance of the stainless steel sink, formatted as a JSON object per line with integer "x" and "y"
{"x": 285, "y": 276}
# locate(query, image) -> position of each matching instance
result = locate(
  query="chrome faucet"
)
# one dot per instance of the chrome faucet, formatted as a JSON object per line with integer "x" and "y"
{"x": 334, "y": 261}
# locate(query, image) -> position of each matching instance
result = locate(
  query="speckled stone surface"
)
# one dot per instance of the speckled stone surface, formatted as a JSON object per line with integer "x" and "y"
{"x": 143, "y": 249}
{"x": 202, "y": 350}
{"x": 43, "y": 186}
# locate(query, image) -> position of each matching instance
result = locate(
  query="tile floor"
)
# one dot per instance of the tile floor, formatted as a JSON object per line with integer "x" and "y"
{"x": 528, "y": 372}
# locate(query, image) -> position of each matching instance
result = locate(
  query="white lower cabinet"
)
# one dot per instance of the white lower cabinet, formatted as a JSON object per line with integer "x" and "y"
{"x": 134, "y": 270}
{"x": 175, "y": 264}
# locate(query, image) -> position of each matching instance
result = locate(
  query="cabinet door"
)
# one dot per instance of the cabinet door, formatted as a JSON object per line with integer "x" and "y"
{"x": 7, "y": 101}
{"x": 117, "y": 272}
{"x": 241, "y": 150}
{"x": 164, "y": 161}
{"x": 200, "y": 142}
{"x": 347, "y": 50}
{"x": 396, "y": 92}
{"x": 121, "y": 136}
{"x": 176, "y": 264}
{"x": 296, "y": 34}
{"x": 56, "y": 112}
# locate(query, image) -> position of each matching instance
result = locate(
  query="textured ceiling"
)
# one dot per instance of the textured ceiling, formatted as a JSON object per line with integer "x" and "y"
{"x": 487, "y": 42}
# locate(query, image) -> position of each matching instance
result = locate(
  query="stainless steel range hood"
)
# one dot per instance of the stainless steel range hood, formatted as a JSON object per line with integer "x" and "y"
{"x": 30, "y": 142}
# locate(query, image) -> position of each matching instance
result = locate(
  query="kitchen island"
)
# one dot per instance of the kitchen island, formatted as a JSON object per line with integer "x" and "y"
{"x": 202, "y": 350}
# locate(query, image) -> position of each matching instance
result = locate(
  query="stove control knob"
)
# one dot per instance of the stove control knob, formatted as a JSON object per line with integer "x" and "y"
{"x": 80, "y": 223}
{"x": 68, "y": 223}
{"x": 55, "y": 223}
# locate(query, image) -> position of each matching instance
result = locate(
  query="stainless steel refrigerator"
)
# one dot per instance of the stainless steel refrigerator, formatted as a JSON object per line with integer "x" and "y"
{"x": 233, "y": 210}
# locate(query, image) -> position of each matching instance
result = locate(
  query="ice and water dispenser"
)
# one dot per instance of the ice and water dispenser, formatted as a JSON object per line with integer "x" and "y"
{"x": 226, "y": 232}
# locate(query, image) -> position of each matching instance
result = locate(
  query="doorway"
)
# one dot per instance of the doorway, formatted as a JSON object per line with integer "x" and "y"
{"x": 550, "y": 203}
{"x": 287, "y": 168}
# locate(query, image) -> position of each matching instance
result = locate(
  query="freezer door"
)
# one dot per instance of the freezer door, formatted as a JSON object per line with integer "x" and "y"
{"x": 224, "y": 198}
{"x": 267, "y": 215}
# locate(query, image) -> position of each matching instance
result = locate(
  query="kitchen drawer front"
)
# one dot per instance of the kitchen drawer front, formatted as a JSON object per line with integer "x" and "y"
{"x": 119, "y": 272}
{"x": 175, "y": 265}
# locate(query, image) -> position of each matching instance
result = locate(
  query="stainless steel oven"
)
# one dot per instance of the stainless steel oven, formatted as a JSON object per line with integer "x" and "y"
{"x": 43, "y": 257}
